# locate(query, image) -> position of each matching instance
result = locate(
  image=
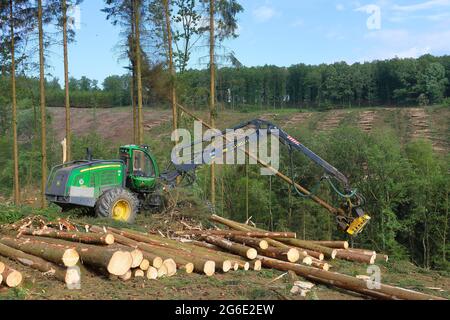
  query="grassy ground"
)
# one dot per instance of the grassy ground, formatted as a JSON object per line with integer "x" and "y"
{"x": 238, "y": 285}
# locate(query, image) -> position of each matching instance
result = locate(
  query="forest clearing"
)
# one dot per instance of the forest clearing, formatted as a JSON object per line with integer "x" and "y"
{"x": 191, "y": 150}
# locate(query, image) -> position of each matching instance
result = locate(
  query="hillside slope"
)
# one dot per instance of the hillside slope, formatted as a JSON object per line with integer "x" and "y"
{"x": 115, "y": 124}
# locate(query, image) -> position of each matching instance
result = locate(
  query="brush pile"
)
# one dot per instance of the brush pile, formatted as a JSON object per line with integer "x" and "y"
{"x": 66, "y": 249}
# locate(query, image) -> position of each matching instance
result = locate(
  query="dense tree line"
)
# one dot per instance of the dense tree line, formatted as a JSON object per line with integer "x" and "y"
{"x": 396, "y": 82}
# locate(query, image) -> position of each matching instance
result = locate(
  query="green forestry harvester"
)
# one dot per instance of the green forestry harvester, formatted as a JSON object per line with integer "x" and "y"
{"x": 119, "y": 189}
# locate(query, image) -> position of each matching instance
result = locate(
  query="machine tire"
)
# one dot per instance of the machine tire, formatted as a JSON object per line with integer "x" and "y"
{"x": 105, "y": 206}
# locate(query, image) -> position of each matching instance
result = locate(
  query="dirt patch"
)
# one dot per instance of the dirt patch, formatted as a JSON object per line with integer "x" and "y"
{"x": 298, "y": 119}
{"x": 332, "y": 120}
{"x": 114, "y": 124}
{"x": 367, "y": 120}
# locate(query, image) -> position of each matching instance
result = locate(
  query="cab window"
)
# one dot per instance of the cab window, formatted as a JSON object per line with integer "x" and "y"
{"x": 142, "y": 165}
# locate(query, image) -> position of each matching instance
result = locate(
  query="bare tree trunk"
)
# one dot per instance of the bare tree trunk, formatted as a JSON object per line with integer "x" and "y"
{"x": 137, "y": 9}
{"x": 173, "y": 92}
{"x": 43, "y": 111}
{"x": 14, "y": 109}
{"x": 133, "y": 74}
{"x": 212, "y": 106}
{"x": 66, "y": 84}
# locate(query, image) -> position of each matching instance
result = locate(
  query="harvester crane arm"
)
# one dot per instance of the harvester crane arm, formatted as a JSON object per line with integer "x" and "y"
{"x": 350, "y": 216}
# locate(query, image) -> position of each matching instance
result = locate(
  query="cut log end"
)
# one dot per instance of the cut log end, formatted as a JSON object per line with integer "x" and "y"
{"x": 247, "y": 266}
{"x": 137, "y": 257}
{"x": 307, "y": 261}
{"x": 372, "y": 259}
{"x": 251, "y": 253}
{"x": 73, "y": 276}
{"x": 264, "y": 244}
{"x": 145, "y": 264}
{"x": 171, "y": 267}
{"x": 333, "y": 254}
{"x": 120, "y": 263}
{"x": 162, "y": 271}
{"x": 321, "y": 256}
{"x": 139, "y": 273}
{"x": 127, "y": 276}
{"x": 226, "y": 266}
{"x": 70, "y": 257}
{"x": 152, "y": 273}
{"x": 157, "y": 262}
{"x": 326, "y": 266}
{"x": 293, "y": 255}
{"x": 189, "y": 268}
{"x": 109, "y": 239}
{"x": 12, "y": 278}
{"x": 2, "y": 267}
{"x": 209, "y": 268}
{"x": 257, "y": 266}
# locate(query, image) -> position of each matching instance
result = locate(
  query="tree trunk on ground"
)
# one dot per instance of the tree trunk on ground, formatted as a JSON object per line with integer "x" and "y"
{"x": 347, "y": 282}
{"x": 52, "y": 253}
{"x": 352, "y": 256}
{"x": 328, "y": 252}
{"x": 291, "y": 255}
{"x": 154, "y": 252}
{"x": 38, "y": 263}
{"x": 243, "y": 251}
{"x": 66, "y": 84}
{"x": 88, "y": 238}
{"x": 10, "y": 277}
{"x": 333, "y": 244}
{"x": 232, "y": 233}
{"x": 115, "y": 262}
{"x": 251, "y": 242}
{"x": 14, "y": 109}
{"x": 43, "y": 110}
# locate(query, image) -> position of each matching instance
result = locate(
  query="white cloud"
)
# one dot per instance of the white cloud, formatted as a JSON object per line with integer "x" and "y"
{"x": 340, "y": 7}
{"x": 264, "y": 13}
{"x": 432, "y": 4}
{"x": 386, "y": 44}
{"x": 297, "y": 23}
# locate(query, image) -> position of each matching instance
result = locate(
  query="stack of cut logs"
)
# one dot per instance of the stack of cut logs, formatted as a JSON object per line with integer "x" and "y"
{"x": 64, "y": 253}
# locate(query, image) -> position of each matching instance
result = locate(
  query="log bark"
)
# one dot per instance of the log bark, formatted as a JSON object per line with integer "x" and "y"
{"x": 60, "y": 255}
{"x": 356, "y": 257}
{"x": 232, "y": 233}
{"x": 333, "y": 244}
{"x": 83, "y": 237}
{"x": 328, "y": 252}
{"x": 243, "y": 251}
{"x": 346, "y": 282}
{"x": 36, "y": 263}
{"x": 316, "y": 263}
{"x": 251, "y": 242}
{"x": 317, "y": 255}
{"x": 290, "y": 255}
{"x": 115, "y": 262}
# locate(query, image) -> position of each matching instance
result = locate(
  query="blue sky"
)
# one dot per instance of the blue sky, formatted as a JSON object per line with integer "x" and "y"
{"x": 287, "y": 32}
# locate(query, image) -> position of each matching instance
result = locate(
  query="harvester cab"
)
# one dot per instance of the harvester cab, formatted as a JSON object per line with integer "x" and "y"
{"x": 115, "y": 189}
